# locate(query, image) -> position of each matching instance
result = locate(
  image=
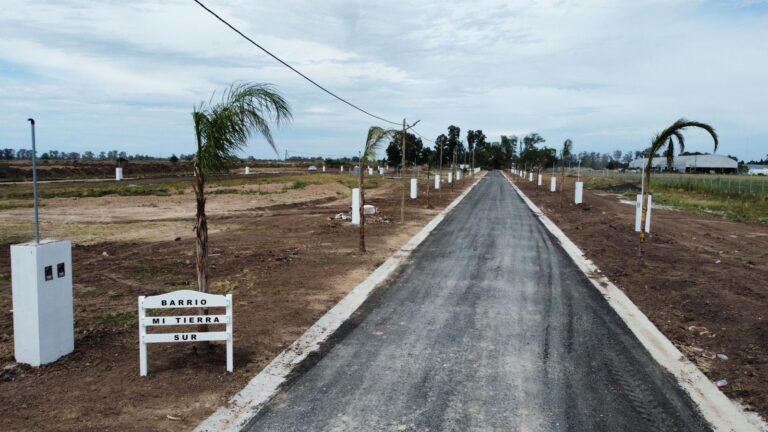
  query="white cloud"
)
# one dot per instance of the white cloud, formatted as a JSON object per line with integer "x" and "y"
{"x": 605, "y": 73}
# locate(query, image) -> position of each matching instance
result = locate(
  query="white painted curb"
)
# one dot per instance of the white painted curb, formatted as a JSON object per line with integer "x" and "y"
{"x": 246, "y": 404}
{"x": 722, "y": 413}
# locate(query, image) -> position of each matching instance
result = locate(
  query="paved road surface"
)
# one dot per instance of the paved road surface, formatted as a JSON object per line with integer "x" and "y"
{"x": 489, "y": 327}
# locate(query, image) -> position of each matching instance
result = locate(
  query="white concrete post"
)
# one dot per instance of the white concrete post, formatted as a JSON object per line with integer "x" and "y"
{"x": 381, "y": 170}
{"x": 437, "y": 182}
{"x": 342, "y": 168}
{"x": 356, "y": 206}
{"x": 541, "y": 179}
{"x": 450, "y": 177}
{"x": 553, "y": 184}
{"x": 530, "y": 177}
{"x": 118, "y": 174}
{"x": 41, "y": 279}
{"x": 579, "y": 192}
{"x": 323, "y": 168}
{"x": 639, "y": 212}
{"x": 370, "y": 171}
{"x": 458, "y": 175}
{"x": 247, "y": 170}
{"x": 414, "y": 188}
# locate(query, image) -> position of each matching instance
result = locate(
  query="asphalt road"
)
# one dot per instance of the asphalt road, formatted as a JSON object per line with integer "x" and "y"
{"x": 490, "y": 326}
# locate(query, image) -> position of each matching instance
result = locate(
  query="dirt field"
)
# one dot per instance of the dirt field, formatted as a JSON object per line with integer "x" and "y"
{"x": 283, "y": 256}
{"x": 701, "y": 280}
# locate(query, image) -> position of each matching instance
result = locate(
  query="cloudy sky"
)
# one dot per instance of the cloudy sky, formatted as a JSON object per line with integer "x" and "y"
{"x": 101, "y": 75}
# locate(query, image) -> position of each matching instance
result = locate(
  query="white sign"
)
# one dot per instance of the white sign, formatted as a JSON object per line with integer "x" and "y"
{"x": 639, "y": 212}
{"x": 180, "y": 300}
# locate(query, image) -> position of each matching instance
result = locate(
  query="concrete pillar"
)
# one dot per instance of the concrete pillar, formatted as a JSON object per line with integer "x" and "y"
{"x": 356, "y": 206}
{"x": 437, "y": 182}
{"x": 540, "y": 180}
{"x": 530, "y": 177}
{"x": 579, "y": 192}
{"x": 450, "y": 177}
{"x": 553, "y": 184}
{"x": 639, "y": 212}
{"x": 414, "y": 188}
{"x": 247, "y": 170}
{"x": 41, "y": 279}
{"x": 341, "y": 169}
{"x": 458, "y": 175}
{"x": 381, "y": 170}
{"x": 323, "y": 168}
{"x": 118, "y": 174}
{"x": 370, "y": 171}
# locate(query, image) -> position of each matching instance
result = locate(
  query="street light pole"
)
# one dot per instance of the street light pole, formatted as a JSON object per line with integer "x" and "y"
{"x": 34, "y": 182}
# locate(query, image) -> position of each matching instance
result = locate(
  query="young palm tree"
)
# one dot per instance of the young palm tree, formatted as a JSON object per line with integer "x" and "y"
{"x": 660, "y": 140}
{"x": 376, "y": 136}
{"x": 565, "y": 154}
{"x": 222, "y": 129}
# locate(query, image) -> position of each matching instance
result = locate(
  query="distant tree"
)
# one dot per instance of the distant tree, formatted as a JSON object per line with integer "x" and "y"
{"x": 173, "y": 159}
{"x": 665, "y": 138}
{"x": 565, "y": 154}
{"x": 8, "y": 154}
{"x": 441, "y": 148}
{"x": 221, "y": 130}
{"x": 88, "y": 155}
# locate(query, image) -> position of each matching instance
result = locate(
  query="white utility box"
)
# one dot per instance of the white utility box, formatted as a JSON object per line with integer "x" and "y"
{"x": 43, "y": 324}
{"x": 579, "y": 192}
{"x": 356, "y": 206}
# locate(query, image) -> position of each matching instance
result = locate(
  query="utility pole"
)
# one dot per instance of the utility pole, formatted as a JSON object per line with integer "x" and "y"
{"x": 402, "y": 172}
{"x": 440, "y": 171}
{"x": 402, "y": 179}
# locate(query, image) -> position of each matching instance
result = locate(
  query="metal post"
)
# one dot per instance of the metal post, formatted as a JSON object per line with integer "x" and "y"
{"x": 402, "y": 179}
{"x": 34, "y": 183}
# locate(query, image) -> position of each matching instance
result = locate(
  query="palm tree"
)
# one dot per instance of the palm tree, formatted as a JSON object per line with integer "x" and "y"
{"x": 661, "y": 139}
{"x": 376, "y": 136}
{"x": 221, "y": 130}
{"x": 565, "y": 154}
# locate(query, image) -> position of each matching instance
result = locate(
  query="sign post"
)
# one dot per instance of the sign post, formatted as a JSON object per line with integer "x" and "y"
{"x": 184, "y": 299}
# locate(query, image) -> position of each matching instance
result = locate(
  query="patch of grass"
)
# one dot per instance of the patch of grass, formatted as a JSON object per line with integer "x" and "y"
{"x": 120, "y": 320}
{"x": 755, "y": 210}
{"x": 15, "y": 205}
{"x": 298, "y": 185}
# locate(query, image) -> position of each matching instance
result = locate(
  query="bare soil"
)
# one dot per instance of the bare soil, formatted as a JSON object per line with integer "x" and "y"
{"x": 286, "y": 263}
{"x": 702, "y": 280}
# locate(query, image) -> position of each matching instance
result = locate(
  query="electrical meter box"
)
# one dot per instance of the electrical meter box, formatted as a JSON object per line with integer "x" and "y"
{"x": 43, "y": 325}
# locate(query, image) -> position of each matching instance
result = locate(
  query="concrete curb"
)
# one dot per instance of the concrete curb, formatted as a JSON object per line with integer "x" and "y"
{"x": 245, "y": 405}
{"x": 722, "y": 413}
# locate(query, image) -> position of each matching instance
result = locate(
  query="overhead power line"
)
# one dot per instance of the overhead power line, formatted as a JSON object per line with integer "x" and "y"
{"x": 422, "y": 136}
{"x": 291, "y": 67}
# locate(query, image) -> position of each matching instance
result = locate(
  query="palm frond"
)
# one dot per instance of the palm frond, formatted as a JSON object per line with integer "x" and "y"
{"x": 376, "y": 136}
{"x": 224, "y": 128}
{"x": 675, "y": 130}
{"x": 567, "y": 148}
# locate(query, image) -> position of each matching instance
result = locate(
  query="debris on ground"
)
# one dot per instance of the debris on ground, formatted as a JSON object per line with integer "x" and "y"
{"x": 721, "y": 383}
{"x": 722, "y": 357}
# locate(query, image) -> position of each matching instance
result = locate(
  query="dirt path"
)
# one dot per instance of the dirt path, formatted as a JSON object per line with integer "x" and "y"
{"x": 285, "y": 264}
{"x": 702, "y": 280}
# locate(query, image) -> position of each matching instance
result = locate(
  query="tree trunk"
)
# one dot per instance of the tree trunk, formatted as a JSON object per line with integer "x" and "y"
{"x": 201, "y": 230}
{"x": 201, "y": 242}
{"x": 562, "y": 184}
{"x": 428, "y": 168}
{"x": 644, "y": 210}
{"x": 362, "y": 211}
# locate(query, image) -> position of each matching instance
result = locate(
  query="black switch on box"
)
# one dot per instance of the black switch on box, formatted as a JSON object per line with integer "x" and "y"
{"x": 60, "y": 269}
{"x": 48, "y": 273}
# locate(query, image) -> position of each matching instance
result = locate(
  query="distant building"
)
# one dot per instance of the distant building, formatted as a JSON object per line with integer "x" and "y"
{"x": 691, "y": 164}
{"x": 758, "y": 169}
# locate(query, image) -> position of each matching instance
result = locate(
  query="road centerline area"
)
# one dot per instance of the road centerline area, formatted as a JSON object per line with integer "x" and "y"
{"x": 489, "y": 326}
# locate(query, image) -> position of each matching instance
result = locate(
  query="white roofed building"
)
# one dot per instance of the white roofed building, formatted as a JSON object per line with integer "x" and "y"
{"x": 692, "y": 163}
